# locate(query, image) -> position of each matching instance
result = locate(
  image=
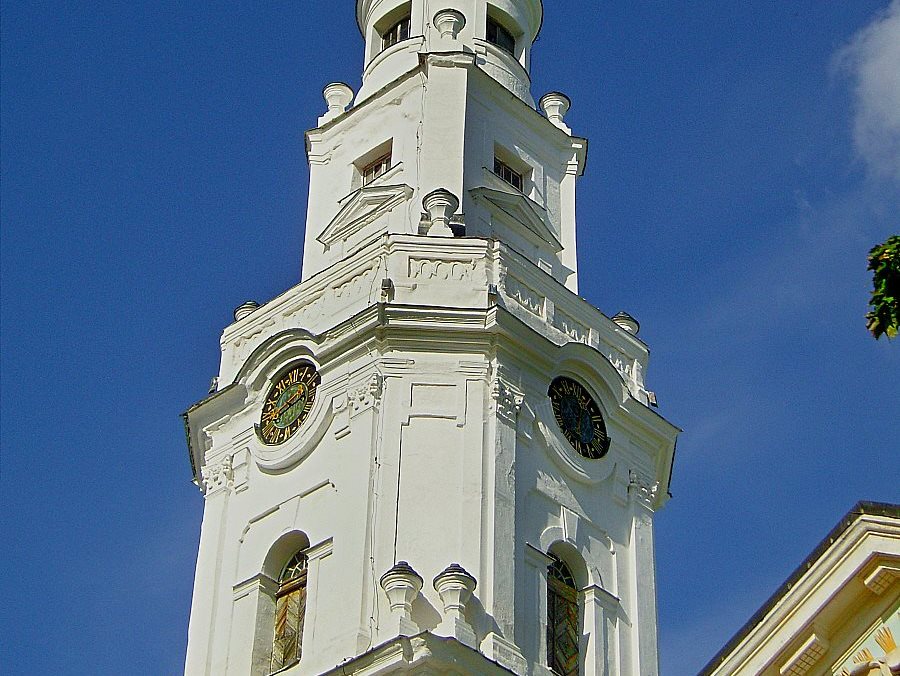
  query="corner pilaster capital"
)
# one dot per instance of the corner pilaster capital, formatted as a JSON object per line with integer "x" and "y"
{"x": 260, "y": 582}
{"x": 643, "y": 488}
{"x": 320, "y": 550}
{"x": 599, "y": 596}
{"x": 217, "y": 476}
{"x": 366, "y": 396}
{"x": 508, "y": 399}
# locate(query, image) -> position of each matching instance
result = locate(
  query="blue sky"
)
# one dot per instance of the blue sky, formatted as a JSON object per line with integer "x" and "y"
{"x": 744, "y": 157}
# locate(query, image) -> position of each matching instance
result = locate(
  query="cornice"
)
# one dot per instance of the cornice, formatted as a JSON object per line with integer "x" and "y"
{"x": 831, "y": 565}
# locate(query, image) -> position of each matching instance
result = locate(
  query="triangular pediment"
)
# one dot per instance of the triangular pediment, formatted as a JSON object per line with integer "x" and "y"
{"x": 513, "y": 205}
{"x": 361, "y": 208}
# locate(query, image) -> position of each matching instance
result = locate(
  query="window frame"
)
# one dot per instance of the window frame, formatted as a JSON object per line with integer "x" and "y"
{"x": 501, "y": 169}
{"x": 297, "y": 585}
{"x": 378, "y": 168}
{"x": 563, "y": 594}
{"x": 500, "y": 36}
{"x": 397, "y": 32}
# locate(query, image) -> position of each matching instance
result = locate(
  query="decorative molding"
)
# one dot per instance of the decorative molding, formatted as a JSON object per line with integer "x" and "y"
{"x": 366, "y": 396}
{"x": 507, "y": 398}
{"x": 802, "y": 661}
{"x": 305, "y": 312}
{"x": 443, "y": 270}
{"x": 240, "y": 468}
{"x": 257, "y": 330}
{"x": 560, "y": 450}
{"x": 517, "y": 211}
{"x": 217, "y": 476}
{"x": 362, "y": 208}
{"x": 503, "y": 652}
{"x": 302, "y": 443}
{"x": 575, "y": 330}
{"x": 524, "y": 295}
{"x": 881, "y": 578}
{"x": 536, "y": 557}
{"x": 259, "y": 582}
{"x": 320, "y": 550}
{"x": 327, "y": 483}
{"x": 642, "y": 487}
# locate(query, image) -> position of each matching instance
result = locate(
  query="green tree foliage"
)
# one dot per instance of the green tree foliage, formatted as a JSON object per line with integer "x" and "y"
{"x": 884, "y": 262}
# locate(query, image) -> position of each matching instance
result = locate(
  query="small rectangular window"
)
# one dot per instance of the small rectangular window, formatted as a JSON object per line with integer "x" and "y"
{"x": 372, "y": 171}
{"x": 508, "y": 174}
{"x": 500, "y": 36}
{"x": 396, "y": 33}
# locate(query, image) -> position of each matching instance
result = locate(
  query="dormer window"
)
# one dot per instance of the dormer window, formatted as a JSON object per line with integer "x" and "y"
{"x": 508, "y": 174}
{"x": 375, "y": 169}
{"x": 396, "y": 33}
{"x": 499, "y": 35}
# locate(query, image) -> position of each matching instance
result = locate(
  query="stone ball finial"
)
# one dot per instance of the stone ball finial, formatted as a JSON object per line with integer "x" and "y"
{"x": 555, "y": 106}
{"x": 627, "y": 322}
{"x": 440, "y": 205}
{"x": 245, "y": 310}
{"x": 449, "y": 23}
{"x": 338, "y": 96}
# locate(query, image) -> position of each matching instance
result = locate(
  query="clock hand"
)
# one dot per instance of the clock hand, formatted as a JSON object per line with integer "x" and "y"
{"x": 288, "y": 403}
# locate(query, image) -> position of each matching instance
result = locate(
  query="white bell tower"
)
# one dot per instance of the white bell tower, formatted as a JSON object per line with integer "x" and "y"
{"x": 432, "y": 455}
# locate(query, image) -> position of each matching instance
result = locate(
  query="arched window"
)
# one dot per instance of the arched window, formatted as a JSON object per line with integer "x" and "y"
{"x": 563, "y": 625}
{"x": 290, "y": 608}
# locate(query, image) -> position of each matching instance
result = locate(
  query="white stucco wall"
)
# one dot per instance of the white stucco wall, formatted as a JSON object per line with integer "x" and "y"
{"x": 432, "y": 439}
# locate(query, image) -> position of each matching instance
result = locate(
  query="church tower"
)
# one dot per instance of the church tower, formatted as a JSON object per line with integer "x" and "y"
{"x": 431, "y": 455}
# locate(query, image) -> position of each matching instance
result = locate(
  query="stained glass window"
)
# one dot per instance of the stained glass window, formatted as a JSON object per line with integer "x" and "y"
{"x": 290, "y": 607}
{"x": 563, "y": 625}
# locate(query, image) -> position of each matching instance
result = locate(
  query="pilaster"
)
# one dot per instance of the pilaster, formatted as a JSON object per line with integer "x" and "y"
{"x": 641, "y": 495}
{"x": 216, "y": 486}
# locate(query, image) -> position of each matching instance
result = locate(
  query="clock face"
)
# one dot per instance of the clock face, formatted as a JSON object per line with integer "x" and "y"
{"x": 288, "y": 403}
{"x": 579, "y": 418}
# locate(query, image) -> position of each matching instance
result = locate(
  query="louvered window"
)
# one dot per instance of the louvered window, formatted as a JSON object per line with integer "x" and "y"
{"x": 290, "y": 608}
{"x": 563, "y": 625}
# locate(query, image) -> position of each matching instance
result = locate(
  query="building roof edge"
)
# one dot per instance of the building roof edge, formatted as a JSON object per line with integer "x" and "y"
{"x": 860, "y": 509}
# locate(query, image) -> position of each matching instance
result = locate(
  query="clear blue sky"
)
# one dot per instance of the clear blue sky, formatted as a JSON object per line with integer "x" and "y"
{"x": 743, "y": 160}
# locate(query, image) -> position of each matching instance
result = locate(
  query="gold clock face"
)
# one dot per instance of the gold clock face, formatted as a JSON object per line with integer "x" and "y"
{"x": 288, "y": 403}
{"x": 579, "y": 418}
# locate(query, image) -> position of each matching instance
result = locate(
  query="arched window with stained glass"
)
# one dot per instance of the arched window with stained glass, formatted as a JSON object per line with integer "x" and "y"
{"x": 290, "y": 609}
{"x": 563, "y": 622}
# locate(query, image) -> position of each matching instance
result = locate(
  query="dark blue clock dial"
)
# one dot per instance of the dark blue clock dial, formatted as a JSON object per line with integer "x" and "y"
{"x": 579, "y": 418}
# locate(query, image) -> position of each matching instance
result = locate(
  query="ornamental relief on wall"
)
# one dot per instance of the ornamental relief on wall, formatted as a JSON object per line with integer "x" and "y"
{"x": 443, "y": 270}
